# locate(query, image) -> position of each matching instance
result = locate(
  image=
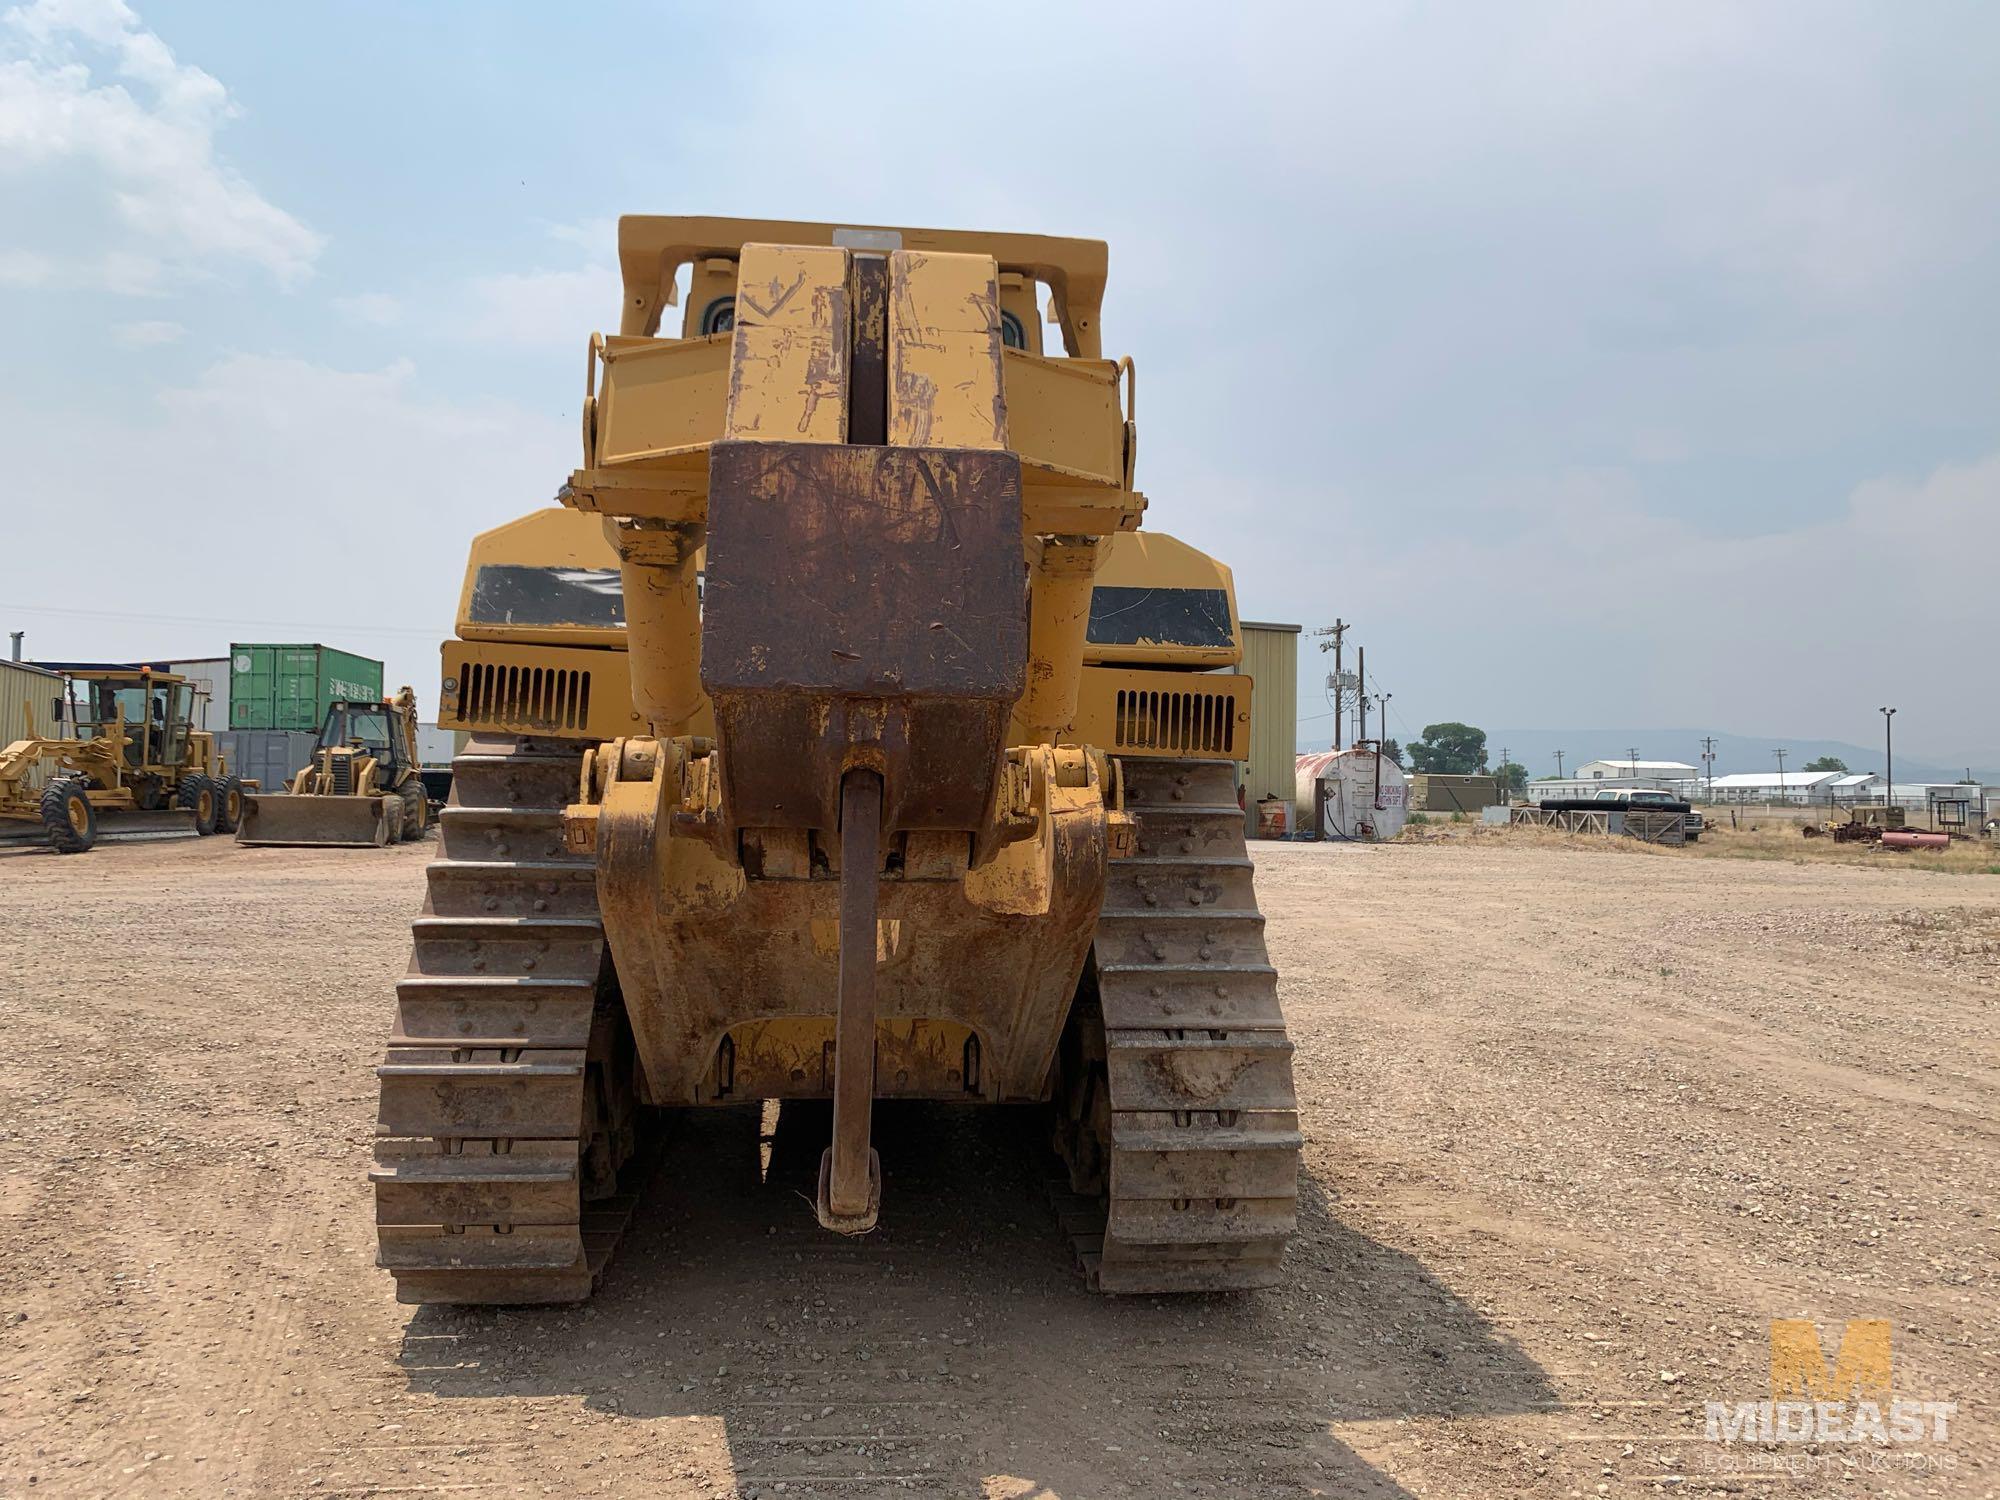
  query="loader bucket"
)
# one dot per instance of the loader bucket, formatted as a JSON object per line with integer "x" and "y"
{"x": 326, "y": 822}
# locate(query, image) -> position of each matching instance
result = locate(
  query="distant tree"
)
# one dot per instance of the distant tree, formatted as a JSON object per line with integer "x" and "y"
{"x": 1828, "y": 763}
{"x": 1393, "y": 751}
{"x": 1513, "y": 775}
{"x": 1449, "y": 749}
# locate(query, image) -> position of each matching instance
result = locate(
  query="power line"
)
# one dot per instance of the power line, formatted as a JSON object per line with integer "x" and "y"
{"x": 348, "y": 627}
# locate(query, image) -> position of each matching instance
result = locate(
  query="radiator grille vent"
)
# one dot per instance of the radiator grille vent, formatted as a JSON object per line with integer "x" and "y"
{"x": 1198, "y": 723}
{"x": 537, "y": 698}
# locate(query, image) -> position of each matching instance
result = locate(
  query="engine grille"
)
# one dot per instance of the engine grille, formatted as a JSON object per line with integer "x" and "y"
{"x": 1188, "y": 722}
{"x": 548, "y": 699}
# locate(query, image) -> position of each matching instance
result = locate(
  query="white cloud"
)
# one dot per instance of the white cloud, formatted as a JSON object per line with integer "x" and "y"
{"x": 378, "y": 309}
{"x": 545, "y": 310}
{"x": 542, "y": 309}
{"x": 135, "y": 192}
{"x": 343, "y": 499}
{"x": 1585, "y": 598}
{"x": 145, "y": 335}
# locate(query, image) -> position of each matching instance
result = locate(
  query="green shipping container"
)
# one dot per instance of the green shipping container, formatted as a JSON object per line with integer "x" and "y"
{"x": 289, "y": 686}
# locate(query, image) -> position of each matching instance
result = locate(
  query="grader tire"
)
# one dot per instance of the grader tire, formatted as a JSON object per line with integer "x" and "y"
{"x": 228, "y": 804}
{"x": 197, "y": 795}
{"x": 68, "y": 816}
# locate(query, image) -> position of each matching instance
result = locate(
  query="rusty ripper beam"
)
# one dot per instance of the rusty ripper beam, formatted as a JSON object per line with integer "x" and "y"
{"x": 850, "y": 1171}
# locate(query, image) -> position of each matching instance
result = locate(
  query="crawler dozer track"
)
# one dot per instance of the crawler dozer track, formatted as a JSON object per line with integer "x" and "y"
{"x": 509, "y": 1105}
{"x": 1174, "y": 1103}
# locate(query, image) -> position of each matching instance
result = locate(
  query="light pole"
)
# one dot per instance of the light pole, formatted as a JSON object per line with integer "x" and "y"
{"x": 1889, "y": 758}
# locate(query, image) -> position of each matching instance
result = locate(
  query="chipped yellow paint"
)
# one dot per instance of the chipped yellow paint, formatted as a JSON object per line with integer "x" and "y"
{"x": 788, "y": 376}
{"x": 945, "y": 387}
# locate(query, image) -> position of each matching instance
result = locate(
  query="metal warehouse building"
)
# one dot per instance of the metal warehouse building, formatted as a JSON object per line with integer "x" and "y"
{"x": 1271, "y": 661}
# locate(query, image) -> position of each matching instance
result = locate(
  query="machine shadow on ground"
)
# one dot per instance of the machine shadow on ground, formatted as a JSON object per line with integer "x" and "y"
{"x": 958, "y": 1342}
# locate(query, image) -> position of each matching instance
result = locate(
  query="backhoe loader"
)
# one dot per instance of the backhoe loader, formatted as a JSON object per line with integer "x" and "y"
{"x": 361, "y": 788}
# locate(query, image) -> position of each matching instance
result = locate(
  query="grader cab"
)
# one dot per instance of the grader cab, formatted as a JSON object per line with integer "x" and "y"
{"x": 841, "y": 738}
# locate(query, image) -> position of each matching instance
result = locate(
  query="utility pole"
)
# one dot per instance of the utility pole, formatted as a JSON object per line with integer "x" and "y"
{"x": 1781, "y": 773}
{"x": 1330, "y": 638}
{"x": 1559, "y": 765}
{"x": 1889, "y": 752}
{"x": 1708, "y": 762}
{"x": 1632, "y": 755}
{"x": 1360, "y": 694}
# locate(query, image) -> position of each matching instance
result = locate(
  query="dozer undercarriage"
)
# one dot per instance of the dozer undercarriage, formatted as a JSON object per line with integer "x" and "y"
{"x": 886, "y": 818}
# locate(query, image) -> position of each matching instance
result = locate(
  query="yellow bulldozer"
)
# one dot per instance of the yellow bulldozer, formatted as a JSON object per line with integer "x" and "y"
{"x": 841, "y": 737}
{"x": 132, "y": 767}
{"x": 361, "y": 788}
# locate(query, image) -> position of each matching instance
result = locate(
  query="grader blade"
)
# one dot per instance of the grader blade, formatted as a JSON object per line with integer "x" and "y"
{"x": 135, "y": 826}
{"x": 319, "y": 822}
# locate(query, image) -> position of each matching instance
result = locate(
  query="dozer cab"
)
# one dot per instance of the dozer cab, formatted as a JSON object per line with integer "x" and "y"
{"x": 360, "y": 790}
{"x": 132, "y": 767}
{"x": 840, "y": 737}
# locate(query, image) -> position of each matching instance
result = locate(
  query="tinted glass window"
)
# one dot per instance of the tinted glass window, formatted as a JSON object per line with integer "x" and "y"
{"x": 1163, "y": 617}
{"x": 510, "y": 595}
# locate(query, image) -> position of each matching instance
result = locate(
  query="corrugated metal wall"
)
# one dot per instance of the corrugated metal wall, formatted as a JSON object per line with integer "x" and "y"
{"x": 1271, "y": 660}
{"x": 269, "y": 757}
{"x": 438, "y": 747}
{"x": 210, "y": 676}
{"x": 26, "y": 695}
{"x": 285, "y": 686}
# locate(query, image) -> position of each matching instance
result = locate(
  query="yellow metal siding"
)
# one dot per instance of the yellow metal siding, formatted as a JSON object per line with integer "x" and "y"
{"x": 1199, "y": 715}
{"x": 1271, "y": 657}
{"x": 23, "y": 690}
{"x": 495, "y": 688}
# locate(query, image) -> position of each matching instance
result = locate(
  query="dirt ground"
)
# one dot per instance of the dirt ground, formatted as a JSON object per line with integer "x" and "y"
{"x": 1578, "y": 1126}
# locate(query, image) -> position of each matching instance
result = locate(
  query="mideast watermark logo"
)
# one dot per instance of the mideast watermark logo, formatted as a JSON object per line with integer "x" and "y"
{"x": 1850, "y": 1403}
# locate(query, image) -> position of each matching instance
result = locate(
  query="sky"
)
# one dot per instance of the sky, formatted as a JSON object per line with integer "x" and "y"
{"x": 1601, "y": 363}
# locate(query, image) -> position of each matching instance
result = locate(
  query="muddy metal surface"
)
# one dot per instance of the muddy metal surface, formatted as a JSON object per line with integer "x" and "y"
{"x": 1578, "y": 1125}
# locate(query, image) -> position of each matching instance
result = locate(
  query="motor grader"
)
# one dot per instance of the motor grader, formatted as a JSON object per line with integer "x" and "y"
{"x": 841, "y": 737}
{"x": 361, "y": 789}
{"x": 133, "y": 765}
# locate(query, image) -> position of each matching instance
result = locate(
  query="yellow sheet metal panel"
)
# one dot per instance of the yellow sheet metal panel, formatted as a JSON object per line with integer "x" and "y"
{"x": 788, "y": 368}
{"x": 1156, "y": 601}
{"x": 651, "y": 249}
{"x": 945, "y": 386}
{"x": 1271, "y": 656}
{"x": 566, "y": 692}
{"x": 662, "y": 399}
{"x": 27, "y": 707}
{"x": 1164, "y": 715}
{"x": 550, "y": 575}
{"x": 1063, "y": 417}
